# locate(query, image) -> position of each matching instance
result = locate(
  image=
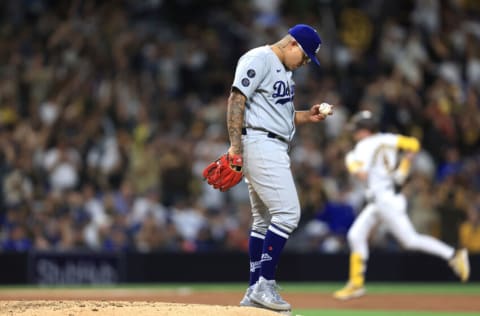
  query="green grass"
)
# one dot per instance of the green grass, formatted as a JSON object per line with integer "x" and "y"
{"x": 394, "y": 288}
{"x": 319, "y": 287}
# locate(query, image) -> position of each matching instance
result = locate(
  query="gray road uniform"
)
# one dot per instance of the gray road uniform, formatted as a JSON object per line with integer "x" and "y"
{"x": 268, "y": 129}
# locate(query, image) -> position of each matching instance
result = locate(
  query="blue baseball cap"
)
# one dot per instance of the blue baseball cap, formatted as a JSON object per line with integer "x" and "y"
{"x": 308, "y": 39}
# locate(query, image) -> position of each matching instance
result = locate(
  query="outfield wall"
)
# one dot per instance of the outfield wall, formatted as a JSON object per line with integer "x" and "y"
{"x": 46, "y": 268}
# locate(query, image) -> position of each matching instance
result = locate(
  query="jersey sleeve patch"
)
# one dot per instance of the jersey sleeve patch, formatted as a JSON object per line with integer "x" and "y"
{"x": 245, "y": 82}
{"x": 249, "y": 73}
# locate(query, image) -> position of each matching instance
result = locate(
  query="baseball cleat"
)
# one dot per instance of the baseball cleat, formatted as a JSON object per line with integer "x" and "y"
{"x": 265, "y": 293}
{"x": 246, "y": 301}
{"x": 349, "y": 291}
{"x": 460, "y": 264}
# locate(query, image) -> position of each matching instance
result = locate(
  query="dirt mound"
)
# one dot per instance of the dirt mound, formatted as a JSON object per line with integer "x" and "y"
{"x": 121, "y": 308}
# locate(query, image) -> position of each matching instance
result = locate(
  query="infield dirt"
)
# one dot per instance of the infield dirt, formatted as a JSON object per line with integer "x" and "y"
{"x": 132, "y": 302}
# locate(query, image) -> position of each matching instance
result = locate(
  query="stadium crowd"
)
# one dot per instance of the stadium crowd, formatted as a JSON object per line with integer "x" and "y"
{"x": 109, "y": 111}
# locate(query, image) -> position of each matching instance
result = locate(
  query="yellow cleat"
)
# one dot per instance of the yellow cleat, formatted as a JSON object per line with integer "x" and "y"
{"x": 349, "y": 291}
{"x": 460, "y": 264}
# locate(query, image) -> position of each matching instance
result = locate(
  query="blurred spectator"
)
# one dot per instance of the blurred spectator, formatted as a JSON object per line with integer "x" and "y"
{"x": 16, "y": 240}
{"x": 116, "y": 238}
{"x": 189, "y": 222}
{"x": 423, "y": 214}
{"x": 62, "y": 163}
{"x": 153, "y": 235}
{"x": 237, "y": 228}
{"x": 17, "y": 186}
{"x": 145, "y": 206}
{"x": 449, "y": 203}
{"x": 99, "y": 219}
{"x": 469, "y": 232}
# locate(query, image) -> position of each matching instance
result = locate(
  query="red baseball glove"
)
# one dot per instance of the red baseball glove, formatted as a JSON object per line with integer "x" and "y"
{"x": 225, "y": 172}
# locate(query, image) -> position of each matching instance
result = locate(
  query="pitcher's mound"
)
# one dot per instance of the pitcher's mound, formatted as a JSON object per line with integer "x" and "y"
{"x": 122, "y": 308}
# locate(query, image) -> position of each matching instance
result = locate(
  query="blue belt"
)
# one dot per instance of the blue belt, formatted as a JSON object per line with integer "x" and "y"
{"x": 269, "y": 134}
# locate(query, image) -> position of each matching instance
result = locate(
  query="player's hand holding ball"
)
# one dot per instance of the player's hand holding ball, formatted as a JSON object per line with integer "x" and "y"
{"x": 325, "y": 109}
{"x": 319, "y": 112}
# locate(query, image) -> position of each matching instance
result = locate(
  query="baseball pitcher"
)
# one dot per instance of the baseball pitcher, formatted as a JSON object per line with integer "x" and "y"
{"x": 261, "y": 121}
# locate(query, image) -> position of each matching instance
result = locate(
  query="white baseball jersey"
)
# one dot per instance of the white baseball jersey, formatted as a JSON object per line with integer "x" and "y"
{"x": 269, "y": 89}
{"x": 376, "y": 155}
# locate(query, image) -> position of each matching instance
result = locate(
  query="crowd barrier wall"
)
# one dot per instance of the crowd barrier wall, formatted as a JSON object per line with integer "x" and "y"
{"x": 57, "y": 268}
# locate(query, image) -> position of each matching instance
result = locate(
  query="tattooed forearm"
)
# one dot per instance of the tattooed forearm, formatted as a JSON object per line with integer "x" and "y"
{"x": 235, "y": 113}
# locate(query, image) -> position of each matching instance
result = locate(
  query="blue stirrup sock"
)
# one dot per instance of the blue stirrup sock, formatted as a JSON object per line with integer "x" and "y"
{"x": 255, "y": 247}
{"x": 275, "y": 240}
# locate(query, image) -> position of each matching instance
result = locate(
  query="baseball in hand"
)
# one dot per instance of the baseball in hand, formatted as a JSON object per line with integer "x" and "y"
{"x": 325, "y": 109}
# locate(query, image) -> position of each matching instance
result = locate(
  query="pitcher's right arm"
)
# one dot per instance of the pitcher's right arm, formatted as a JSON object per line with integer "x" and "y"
{"x": 235, "y": 116}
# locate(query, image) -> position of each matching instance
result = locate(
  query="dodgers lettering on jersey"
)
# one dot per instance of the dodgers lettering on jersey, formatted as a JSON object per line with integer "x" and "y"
{"x": 377, "y": 155}
{"x": 283, "y": 92}
{"x": 269, "y": 89}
